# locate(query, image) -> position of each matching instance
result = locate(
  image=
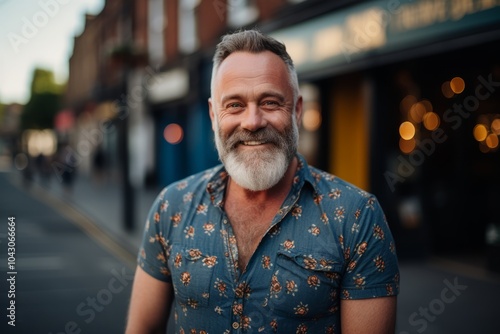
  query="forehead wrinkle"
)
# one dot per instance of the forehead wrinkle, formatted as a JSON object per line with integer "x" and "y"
{"x": 262, "y": 68}
{"x": 238, "y": 81}
{"x": 257, "y": 92}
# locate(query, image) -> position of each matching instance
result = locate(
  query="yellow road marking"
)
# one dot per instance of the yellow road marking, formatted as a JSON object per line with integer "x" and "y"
{"x": 83, "y": 222}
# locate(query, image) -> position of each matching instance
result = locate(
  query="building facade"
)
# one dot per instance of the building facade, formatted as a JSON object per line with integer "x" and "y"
{"x": 409, "y": 99}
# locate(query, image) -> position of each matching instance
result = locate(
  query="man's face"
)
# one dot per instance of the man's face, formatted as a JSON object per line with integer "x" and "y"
{"x": 255, "y": 118}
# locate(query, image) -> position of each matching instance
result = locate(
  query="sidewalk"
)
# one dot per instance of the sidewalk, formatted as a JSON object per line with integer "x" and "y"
{"x": 102, "y": 203}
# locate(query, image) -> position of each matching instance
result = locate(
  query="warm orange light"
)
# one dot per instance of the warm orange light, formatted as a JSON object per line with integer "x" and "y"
{"x": 311, "y": 119}
{"x": 457, "y": 85}
{"x": 407, "y": 146}
{"x": 173, "y": 133}
{"x": 480, "y": 132}
{"x": 407, "y": 130}
{"x": 428, "y": 105}
{"x": 417, "y": 112}
{"x": 492, "y": 141}
{"x": 406, "y": 103}
{"x": 431, "y": 121}
{"x": 495, "y": 126}
{"x": 446, "y": 90}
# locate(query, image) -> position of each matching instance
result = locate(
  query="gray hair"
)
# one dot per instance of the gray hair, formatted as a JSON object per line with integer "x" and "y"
{"x": 253, "y": 41}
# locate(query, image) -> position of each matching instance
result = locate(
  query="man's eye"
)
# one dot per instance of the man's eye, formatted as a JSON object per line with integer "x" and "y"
{"x": 270, "y": 104}
{"x": 234, "y": 105}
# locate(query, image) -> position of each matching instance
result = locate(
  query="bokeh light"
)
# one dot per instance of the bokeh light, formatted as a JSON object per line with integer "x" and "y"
{"x": 407, "y": 146}
{"x": 173, "y": 133}
{"x": 21, "y": 161}
{"x": 480, "y": 132}
{"x": 457, "y": 85}
{"x": 311, "y": 119}
{"x": 492, "y": 141}
{"x": 417, "y": 112}
{"x": 406, "y": 103}
{"x": 428, "y": 105}
{"x": 407, "y": 130}
{"x": 495, "y": 126}
{"x": 446, "y": 90}
{"x": 431, "y": 121}
{"x": 42, "y": 142}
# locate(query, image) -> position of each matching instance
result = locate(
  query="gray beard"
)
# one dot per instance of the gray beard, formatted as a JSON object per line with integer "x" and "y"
{"x": 258, "y": 169}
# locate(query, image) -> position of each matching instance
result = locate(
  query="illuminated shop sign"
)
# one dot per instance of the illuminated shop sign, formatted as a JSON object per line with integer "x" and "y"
{"x": 378, "y": 27}
{"x": 168, "y": 86}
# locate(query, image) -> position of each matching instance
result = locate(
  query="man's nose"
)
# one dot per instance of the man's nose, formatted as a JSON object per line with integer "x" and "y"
{"x": 253, "y": 118}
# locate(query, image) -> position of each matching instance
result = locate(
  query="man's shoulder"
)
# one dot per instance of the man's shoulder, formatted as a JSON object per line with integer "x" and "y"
{"x": 193, "y": 184}
{"x": 336, "y": 187}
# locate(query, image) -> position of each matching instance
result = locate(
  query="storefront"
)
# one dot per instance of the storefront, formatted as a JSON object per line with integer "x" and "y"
{"x": 409, "y": 93}
{"x": 440, "y": 128}
{"x": 184, "y": 141}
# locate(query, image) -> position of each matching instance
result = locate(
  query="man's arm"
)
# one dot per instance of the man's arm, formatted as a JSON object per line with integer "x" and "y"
{"x": 149, "y": 305}
{"x": 374, "y": 315}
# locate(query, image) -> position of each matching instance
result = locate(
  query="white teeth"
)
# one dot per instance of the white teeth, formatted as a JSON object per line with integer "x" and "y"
{"x": 253, "y": 143}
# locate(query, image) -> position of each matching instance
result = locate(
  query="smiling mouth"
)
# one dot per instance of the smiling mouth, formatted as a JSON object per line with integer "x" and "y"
{"x": 253, "y": 143}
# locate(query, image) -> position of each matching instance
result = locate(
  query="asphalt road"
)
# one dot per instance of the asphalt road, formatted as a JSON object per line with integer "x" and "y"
{"x": 68, "y": 276}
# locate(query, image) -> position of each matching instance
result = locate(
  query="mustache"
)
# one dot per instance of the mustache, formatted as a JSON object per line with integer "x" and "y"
{"x": 267, "y": 134}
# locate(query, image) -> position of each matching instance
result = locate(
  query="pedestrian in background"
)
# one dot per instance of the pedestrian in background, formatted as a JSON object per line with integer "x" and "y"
{"x": 263, "y": 243}
{"x": 99, "y": 165}
{"x": 65, "y": 172}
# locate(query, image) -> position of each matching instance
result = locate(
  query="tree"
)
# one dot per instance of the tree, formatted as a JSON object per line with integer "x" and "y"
{"x": 44, "y": 103}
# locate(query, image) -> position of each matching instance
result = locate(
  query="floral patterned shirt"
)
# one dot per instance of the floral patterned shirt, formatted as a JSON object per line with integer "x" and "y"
{"x": 329, "y": 241}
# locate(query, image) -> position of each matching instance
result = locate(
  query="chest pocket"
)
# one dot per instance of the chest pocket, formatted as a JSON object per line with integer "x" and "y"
{"x": 192, "y": 272}
{"x": 304, "y": 285}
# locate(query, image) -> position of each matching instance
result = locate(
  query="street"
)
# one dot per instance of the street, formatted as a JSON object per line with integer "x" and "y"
{"x": 72, "y": 276}
{"x": 66, "y": 281}
{"x": 442, "y": 297}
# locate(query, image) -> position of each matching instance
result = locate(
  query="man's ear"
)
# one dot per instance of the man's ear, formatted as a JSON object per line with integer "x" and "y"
{"x": 211, "y": 112}
{"x": 298, "y": 111}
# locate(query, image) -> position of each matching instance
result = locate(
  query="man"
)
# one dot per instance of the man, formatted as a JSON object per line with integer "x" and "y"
{"x": 264, "y": 243}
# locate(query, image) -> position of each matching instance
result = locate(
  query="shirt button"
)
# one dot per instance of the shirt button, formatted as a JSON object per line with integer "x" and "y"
{"x": 236, "y": 325}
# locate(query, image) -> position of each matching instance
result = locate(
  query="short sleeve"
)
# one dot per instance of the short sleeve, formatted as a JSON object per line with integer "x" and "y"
{"x": 154, "y": 249}
{"x": 372, "y": 265}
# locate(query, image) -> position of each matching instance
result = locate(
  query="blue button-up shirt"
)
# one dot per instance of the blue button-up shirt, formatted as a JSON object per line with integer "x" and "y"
{"x": 329, "y": 241}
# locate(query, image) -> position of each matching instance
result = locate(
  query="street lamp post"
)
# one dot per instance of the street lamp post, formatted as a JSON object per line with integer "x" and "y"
{"x": 127, "y": 56}
{"x": 127, "y": 190}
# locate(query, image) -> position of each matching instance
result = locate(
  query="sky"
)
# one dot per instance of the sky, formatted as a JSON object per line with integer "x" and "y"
{"x": 38, "y": 33}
